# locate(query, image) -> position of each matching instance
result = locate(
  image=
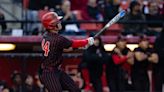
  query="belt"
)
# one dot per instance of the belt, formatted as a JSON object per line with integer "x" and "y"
{"x": 49, "y": 68}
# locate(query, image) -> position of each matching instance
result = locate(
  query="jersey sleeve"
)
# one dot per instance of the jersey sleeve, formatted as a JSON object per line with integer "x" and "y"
{"x": 64, "y": 42}
{"x": 119, "y": 60}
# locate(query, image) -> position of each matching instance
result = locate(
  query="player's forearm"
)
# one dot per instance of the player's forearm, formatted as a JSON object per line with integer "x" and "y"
{"x": 153, "y": 58}
{"x": 79, "y": 43}
{"x": 82, "y": 43}
{"x": 119, "y": 60}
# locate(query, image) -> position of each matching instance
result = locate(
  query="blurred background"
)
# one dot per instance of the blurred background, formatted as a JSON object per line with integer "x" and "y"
{"x": 21, "y": 34}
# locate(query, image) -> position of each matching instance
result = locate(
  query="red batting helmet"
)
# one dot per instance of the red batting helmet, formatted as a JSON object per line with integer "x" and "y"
{"x": 50, "y": 20}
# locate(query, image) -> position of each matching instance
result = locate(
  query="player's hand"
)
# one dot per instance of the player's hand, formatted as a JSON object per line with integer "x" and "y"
{"x": 90, "y": 41}
{"x": 116, "y": 50}
{"x": 130, "y": 55}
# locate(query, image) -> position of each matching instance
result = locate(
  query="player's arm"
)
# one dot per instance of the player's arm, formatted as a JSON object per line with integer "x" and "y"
{"x": 130, "y": 59}
{"x": 140, "y": 56}
{"x": 153, "y": 58}
{"x": 82, "y": 43}
{"x": 119, "y": 60}
{"x": 78, "y": 44}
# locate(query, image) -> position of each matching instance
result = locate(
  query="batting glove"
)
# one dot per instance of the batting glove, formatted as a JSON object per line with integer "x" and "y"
{"x": 90, "y": 41}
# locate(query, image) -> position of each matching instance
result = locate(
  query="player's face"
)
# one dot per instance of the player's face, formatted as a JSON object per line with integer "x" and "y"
{"x": 18, "y": 79}
{"x": 137, "y": 8}
{"x": 96, "y": 42}
{"x": 153, "y": 8}
{"x": 144, "y": 44}
{"x": 59, "y": 26}
{"x": 29, "y": 80}
{"x": 121, "y": 44}
{"x": 66, "y": 6}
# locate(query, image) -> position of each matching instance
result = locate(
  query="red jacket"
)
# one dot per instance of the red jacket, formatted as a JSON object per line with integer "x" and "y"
{"x": 121, "y": 61}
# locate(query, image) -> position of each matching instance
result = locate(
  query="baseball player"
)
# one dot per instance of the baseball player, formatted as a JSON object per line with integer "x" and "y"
{"x": 53, "y": 44}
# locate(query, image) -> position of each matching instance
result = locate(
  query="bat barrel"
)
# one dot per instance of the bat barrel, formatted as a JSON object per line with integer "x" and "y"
{"x": 114, "y": 20}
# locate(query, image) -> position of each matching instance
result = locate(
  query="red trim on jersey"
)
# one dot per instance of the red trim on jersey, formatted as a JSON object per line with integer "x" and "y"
{"x": 118, "y": 60}
{"x": 79, "y": 43}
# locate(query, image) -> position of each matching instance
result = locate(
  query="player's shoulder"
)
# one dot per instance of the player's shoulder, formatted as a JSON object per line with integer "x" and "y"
{"x": 45, "y": 35}
{"x": 62, "y": 37}
{"x": 50, "y": 34}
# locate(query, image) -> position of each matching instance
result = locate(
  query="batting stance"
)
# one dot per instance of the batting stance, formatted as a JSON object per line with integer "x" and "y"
{"x": 53, "y": 44}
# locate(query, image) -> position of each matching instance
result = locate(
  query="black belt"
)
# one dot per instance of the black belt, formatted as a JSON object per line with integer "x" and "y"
{"x": 50, "y": 68}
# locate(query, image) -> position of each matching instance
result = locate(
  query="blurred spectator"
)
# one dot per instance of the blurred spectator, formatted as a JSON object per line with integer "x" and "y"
{"x": 122, "y": 58}
{"x": 110, "y": 9}
{"x": 145, "y": 7}
{"x": 29, "y": 84}
{"x": 3, "y": 24}
{"x": 111, "y": 74}
{"x": 76, "y": 76}
{"x": 124, "y": 4}
{"x": 154, "y": 15}
{"x": 76, "y": 5}
{"x": 6, "y": 89}
{"x": 51, "y": 4}
{"x": 32, "y": 15}
{"x": 144, "y": 56}
{"x": 91, "y": 11}
{"x": 35, "y": 5}
{"x": 94, "y": 57}
{"x": 3, "y": 86}
{"x": 134, "y": 15}
{"x": 85, "y": 73}
{"x": 159, "y": 68}
{"x": 17, "y": 82}
{"x": 65, "y": 11}
{"x": 161, "y": 6}
{"x": 39, "y": 86}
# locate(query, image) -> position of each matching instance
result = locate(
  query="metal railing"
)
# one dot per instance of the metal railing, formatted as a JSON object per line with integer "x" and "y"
{"x": 87, "y": 21}
{"x": 24, "y": 23}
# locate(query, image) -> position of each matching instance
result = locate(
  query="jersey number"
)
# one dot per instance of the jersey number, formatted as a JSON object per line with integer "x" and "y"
{"x": 45, "y": 47}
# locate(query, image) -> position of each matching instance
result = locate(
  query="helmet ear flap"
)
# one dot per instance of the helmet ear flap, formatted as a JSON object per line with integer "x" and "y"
{"x": 53, "y": 27}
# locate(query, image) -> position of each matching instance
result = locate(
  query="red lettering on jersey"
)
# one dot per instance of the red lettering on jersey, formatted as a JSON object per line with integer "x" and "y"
{"x": 45, "y": 47}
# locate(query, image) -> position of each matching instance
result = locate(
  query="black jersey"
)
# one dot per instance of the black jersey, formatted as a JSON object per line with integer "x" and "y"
{"x": 52, "y": 46}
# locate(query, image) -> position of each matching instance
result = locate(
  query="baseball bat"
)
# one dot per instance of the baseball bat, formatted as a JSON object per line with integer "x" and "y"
{"x": 112, "y": 21}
